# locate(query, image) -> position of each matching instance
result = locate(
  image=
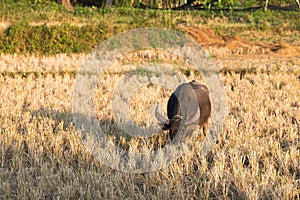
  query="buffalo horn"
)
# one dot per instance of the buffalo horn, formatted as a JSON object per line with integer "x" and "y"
{"x": 159, "y": 116}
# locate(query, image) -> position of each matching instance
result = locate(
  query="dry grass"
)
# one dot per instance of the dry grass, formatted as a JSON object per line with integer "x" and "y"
{"x": 257, "y": 156}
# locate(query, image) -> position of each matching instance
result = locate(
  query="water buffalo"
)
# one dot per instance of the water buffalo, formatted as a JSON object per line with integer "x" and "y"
{"x": 189, "y": 104}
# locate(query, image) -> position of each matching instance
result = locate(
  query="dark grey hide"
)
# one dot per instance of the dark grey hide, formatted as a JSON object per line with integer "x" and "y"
{"x": 189, "y": 104}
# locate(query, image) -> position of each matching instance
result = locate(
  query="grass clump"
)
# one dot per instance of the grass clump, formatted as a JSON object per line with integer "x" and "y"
{"x": 23, "y": 38}
{"x": 140, "y": 71}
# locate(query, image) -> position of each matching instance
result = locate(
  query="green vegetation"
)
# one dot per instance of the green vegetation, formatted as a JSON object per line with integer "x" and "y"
{"x": 207, "y": 4}
{"x": 23, "y": 38}
{"x": 47, "y": 28}
{"x": 143, "y": 71}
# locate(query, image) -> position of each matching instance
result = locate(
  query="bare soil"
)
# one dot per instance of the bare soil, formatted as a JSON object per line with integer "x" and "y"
{"x": 251, "y": 44}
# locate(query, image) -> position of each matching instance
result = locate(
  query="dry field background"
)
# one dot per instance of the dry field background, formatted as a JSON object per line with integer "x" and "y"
{"x": 256, "y": 157}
